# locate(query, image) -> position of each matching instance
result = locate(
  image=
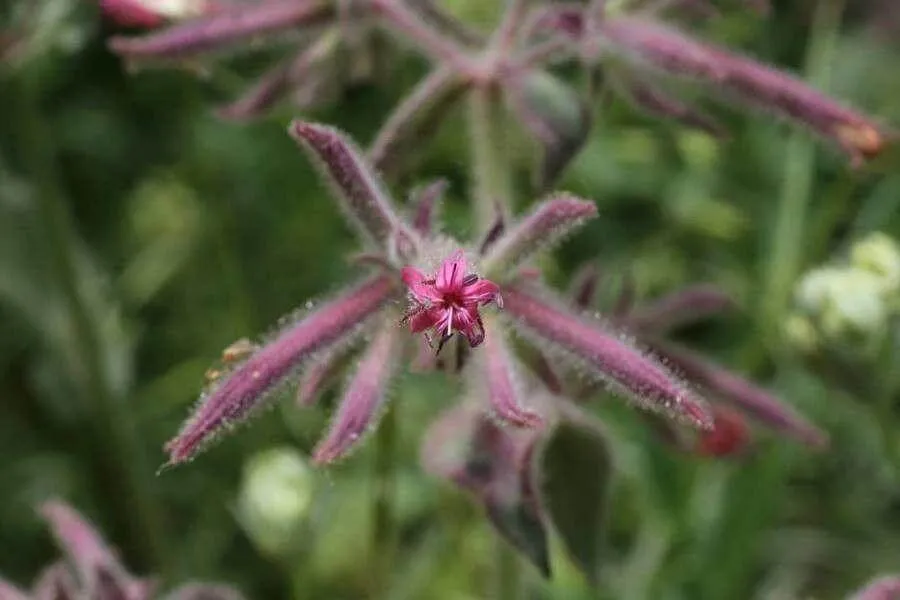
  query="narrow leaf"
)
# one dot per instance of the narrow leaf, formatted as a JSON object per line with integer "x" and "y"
{"x": 678, "y": 309}
{"x": 424, "y": 201}
{"x": 759, "y": 403}
{"x": 365, "y": 395}
{"x": 555, "y": 114}
{"x": 319, "y": 375}
{"x": 414, "y": 121}
{"x": 363, "y": 196}
{"x": 494, "y": 464}
{"x": 656, "y": 103}
{"x": 583, "y": 290}
{"x": 82, "y": 543}
{"x": 551, "y": 220}
{"x": 245, "y": 388}
{"x": 503, "y": 384}
{"x": 605, "y": 354}
{"x": 671, "y": 52}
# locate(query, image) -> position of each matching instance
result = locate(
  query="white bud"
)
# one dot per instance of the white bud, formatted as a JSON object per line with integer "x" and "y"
{"x": 276, "y": 492}
{"x": 878, "y": 253}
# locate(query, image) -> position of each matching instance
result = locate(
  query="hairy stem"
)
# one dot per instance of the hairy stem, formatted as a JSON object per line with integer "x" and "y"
{"x": 490, "y": 191}
{"x": 491, "y": 186}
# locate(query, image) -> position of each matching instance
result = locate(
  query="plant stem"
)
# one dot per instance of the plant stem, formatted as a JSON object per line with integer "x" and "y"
{"x": 508, "y": 578}
{"x": 789, "y": 242}
{"x": 490, "y": 171}
{"x": 384, "y": 525}
{"x": 492, "y": 191}
{"x": 123, "y": 470}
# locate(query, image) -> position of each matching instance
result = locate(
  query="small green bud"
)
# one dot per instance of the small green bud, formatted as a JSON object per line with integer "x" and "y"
{"x": 275, "y": 497}
{"x": 878, "y": 253}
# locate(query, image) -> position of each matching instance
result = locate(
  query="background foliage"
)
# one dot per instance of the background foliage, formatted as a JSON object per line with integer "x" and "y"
{"x": 140, "y": 235}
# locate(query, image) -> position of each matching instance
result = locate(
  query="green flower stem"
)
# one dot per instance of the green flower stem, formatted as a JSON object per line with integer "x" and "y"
{"x": 492, "y": 191}
{"x": 122, "y": 467}
{"x": 490, "y": 170}
{"x": 788, "y": 242}
{"x": 384, "y": 522}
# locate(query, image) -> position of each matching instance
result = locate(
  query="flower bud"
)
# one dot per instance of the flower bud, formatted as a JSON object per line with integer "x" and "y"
{"x": 878, "y": 253}
{"x": 275, "y": 496}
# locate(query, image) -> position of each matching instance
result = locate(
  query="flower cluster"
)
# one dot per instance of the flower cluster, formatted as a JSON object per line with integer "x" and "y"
{"x": 430, "y": 301}
{"x": 92, "y": 569}
{"x": 638, "y": 55}
{"x": 855, "y": 301}
{"x": 449, "y": 303}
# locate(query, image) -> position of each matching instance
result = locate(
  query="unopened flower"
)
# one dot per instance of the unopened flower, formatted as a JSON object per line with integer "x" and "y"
{"x": 855, "y": 299}
{"x": 448, "y": 302}
{"x": 878, "y": 253}
{"x": 93, "y": 570}
{"x": 276, "y": 492}
{"x": 729, "y": 434}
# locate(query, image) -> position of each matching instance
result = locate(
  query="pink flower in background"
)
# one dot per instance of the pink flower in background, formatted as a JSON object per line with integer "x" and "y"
{"x": 151, "y": 13}
{"x": 448, "y": 302}
{"x": 93, "y": 570}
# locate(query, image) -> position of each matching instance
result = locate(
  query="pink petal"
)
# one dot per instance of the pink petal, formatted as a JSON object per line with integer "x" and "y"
{"x": 414, "y": 280}
{"x": 452, "y": 272}
{"x": 425, "y": 320}
{"x": 130, "y": 13}
{"x": 481, "y": 292}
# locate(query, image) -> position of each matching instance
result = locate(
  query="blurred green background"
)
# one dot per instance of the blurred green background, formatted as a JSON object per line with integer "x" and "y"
{"x": 140, "y": 235}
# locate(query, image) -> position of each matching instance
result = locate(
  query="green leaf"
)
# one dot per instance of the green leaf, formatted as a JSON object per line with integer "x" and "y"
{"x": 574, "y": 470}
{"x": 555, "y": 114}
{"x": 520, "y": 524}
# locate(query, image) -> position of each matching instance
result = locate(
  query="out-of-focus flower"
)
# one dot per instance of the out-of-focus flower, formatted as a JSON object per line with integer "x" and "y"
{"x": 401, "y": 252}
{"x": 729, "y": 435}
{"x": 880, "y": 254}
{"x": 92, "y": 570}
{"x": 654, "y": 51}
{"x": 276, "y": 491}
{"x": 855, "y": 300}
{"x": 635, "y": 52}
{"x": 886, "y": 587}
{"x": 152, "y": 13}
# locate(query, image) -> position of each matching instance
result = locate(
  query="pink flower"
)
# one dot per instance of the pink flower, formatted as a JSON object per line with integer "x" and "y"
{"x": 449, "y": 301}
{"x": 131, "y": 13}
{"x": 152, "y": 13}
